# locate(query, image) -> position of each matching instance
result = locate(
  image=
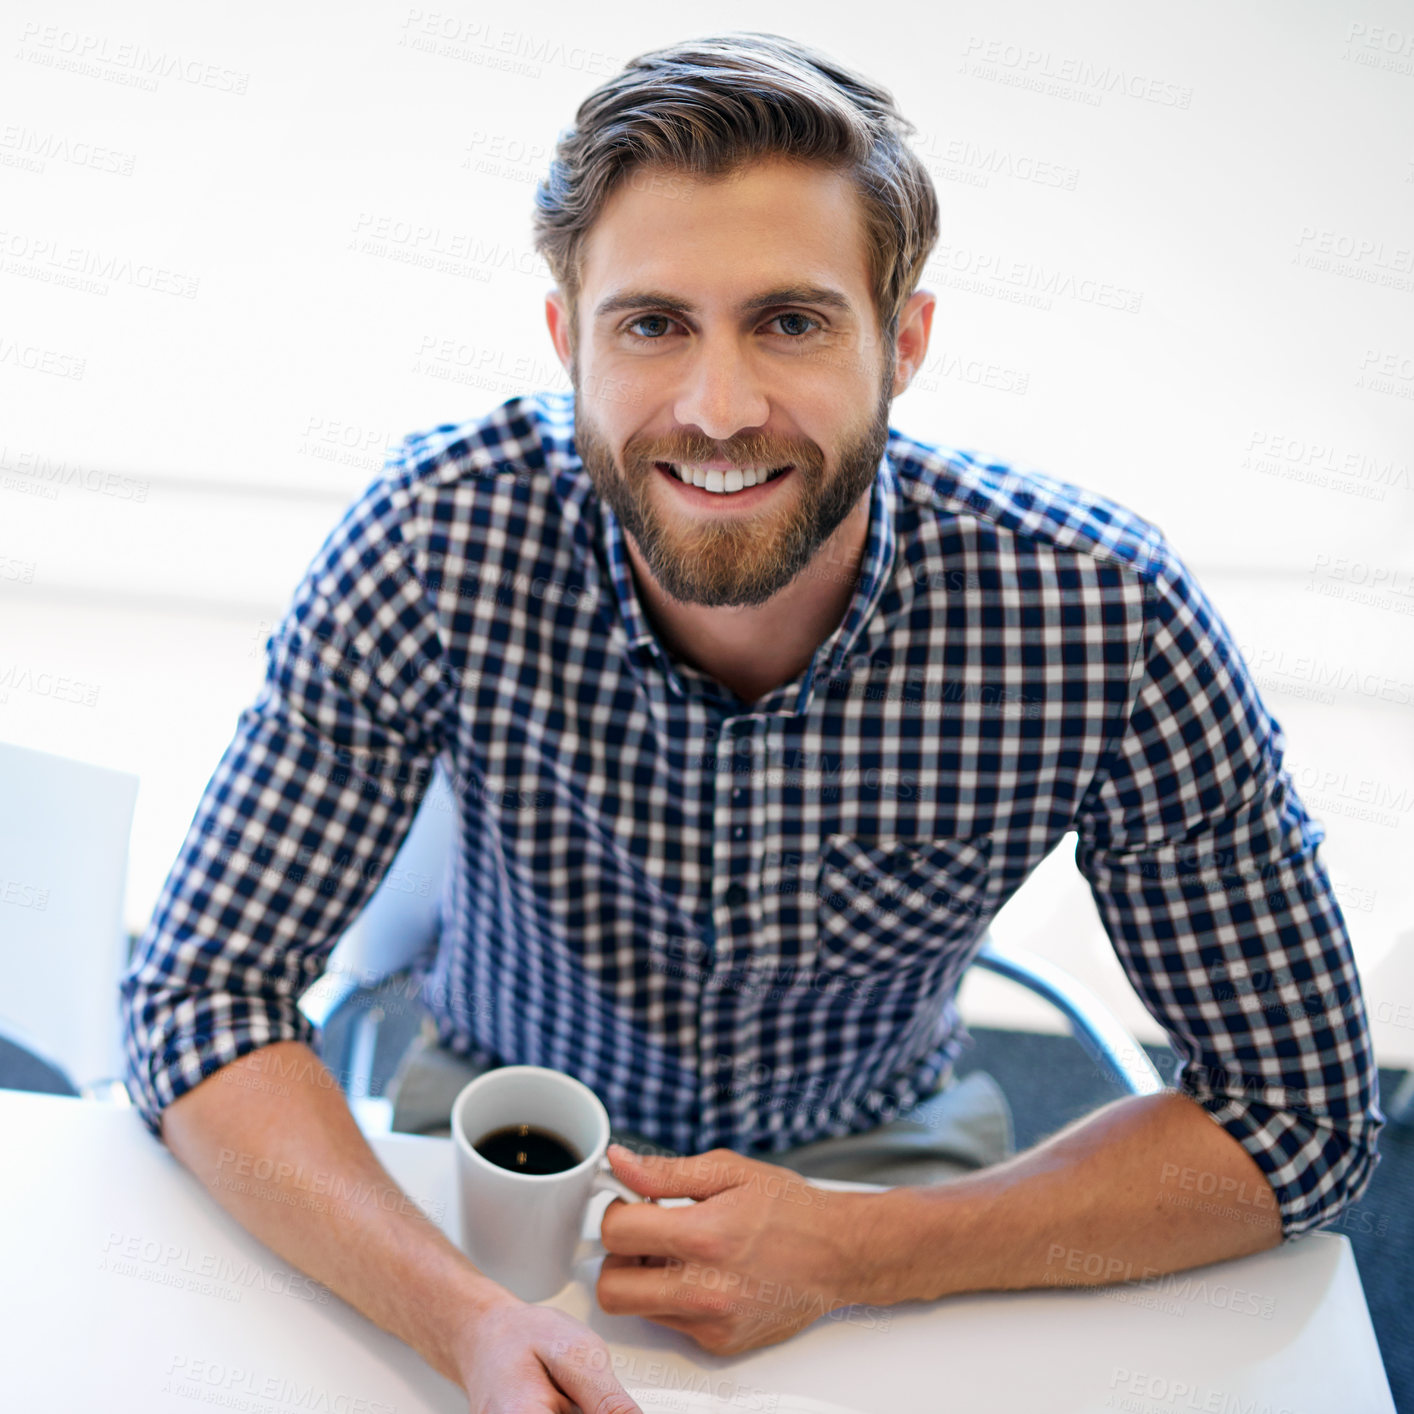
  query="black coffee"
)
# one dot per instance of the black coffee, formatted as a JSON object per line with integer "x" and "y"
{"x": 523, "y": 1148}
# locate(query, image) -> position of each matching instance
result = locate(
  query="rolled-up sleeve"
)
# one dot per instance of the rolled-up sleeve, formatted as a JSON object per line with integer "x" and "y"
{"x": 1203, "y": 863}
{"x": 304, "y": 812}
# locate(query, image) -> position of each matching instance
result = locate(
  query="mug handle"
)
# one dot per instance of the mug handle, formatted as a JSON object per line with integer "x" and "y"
{"x": 605, "y": 1181}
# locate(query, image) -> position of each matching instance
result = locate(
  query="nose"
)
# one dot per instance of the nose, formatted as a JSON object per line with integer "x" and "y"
{"x": 721, "y": 394}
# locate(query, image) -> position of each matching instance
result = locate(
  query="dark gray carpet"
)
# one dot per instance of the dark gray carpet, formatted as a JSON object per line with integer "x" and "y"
{"x": 1049, "y": 1081}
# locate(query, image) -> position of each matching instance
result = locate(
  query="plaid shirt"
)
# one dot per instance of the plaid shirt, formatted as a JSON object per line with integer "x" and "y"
{"x": 744, "y": 925}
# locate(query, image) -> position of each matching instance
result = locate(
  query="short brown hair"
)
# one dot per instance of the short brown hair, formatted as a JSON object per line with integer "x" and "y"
{"x": 706, "y": 107}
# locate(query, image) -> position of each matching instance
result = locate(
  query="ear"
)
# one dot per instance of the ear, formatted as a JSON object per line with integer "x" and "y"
{"x": 557, "y": 317}
{"x": 915, "y": 327}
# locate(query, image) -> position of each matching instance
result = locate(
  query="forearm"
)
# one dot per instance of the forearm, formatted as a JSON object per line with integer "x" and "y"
{"x": 272, "y": 1138}
{"x": 1100, "y": 1202}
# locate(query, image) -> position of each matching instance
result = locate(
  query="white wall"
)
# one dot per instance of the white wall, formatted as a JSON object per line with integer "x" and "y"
{"x": 241, "y": 251}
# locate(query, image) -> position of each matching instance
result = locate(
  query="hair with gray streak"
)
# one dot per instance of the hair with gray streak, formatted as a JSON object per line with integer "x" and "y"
{"x": 705, "y": 108}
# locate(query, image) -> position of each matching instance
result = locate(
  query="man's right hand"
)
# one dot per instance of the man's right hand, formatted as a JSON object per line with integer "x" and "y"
{"x": 516, "y": 1358}
{"x": 375, "y": 1247}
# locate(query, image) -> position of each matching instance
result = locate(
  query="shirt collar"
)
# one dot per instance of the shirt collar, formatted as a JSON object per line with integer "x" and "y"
{"x": 876, "y": 567}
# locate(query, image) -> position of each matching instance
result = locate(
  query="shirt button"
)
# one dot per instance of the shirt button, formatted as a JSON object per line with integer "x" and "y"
{"x": 736, "y": 895}
{"x": 738, "y": 832}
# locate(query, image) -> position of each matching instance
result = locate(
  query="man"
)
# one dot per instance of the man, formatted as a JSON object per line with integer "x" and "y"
{"x": 742, "y": 772}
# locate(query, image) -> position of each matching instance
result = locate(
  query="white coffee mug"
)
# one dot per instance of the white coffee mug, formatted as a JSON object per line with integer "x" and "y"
{"x": 522, "y": 1229}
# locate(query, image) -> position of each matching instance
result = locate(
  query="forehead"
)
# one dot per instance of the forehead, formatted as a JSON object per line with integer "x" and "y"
{"x": 709, "y": 241}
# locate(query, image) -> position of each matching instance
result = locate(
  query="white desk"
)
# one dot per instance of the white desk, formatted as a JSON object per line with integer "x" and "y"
{"x": 125, "y": 1288}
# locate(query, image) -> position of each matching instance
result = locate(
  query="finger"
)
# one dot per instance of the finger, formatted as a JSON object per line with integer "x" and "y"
{"x": 644, "y": 1291}
{"x": 696, "y": 1176}
{"x": 644, "y": 1230}
{"x": 618, "y": 1259}
{"x": 532, "y": 1388}
{"x": 587, "y": 1386}
{"x": 679, "y": 1323}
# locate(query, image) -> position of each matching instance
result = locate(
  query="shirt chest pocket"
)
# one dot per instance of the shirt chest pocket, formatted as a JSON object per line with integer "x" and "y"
{"x": 887, "y": 904}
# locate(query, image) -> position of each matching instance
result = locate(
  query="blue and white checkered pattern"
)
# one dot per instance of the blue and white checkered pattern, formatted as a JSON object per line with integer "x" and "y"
{"x": 744, "y": 924}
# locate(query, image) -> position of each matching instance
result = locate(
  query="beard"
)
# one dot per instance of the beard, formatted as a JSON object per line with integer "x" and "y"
{"x": 737, "y": 560}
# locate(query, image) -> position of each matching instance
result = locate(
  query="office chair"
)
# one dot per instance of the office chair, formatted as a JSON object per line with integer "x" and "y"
{"x": 64, "y": 833}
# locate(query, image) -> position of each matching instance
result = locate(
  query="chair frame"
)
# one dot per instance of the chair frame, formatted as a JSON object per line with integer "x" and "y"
{"x": 1117, "y": 1055}
{"x": 1105, "y": 1038}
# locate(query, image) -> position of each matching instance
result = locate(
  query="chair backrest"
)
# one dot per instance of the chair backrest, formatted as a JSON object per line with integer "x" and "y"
{"x": 64, "y": 830}
{"x": 400, "y": 920}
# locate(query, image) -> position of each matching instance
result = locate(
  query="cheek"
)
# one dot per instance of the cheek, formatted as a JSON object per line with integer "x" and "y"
{"x": 617, "y": 385}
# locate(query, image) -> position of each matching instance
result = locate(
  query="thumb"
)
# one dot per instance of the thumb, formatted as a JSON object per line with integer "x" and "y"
{"x": 693, "y": 1176}
{"x": 590, "y": 1384}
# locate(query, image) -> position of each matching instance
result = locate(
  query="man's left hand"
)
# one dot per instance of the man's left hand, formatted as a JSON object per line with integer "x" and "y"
{"x": 759, "y": 1254}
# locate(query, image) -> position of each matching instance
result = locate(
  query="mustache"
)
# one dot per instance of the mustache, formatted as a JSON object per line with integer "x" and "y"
{"x": 742, "y": 451}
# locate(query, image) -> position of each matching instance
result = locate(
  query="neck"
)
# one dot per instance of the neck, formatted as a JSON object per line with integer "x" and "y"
{"x": 753, "y": 650}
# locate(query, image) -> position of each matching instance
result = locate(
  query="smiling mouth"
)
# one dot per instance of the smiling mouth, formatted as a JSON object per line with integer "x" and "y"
{"x": 722, "y": 483}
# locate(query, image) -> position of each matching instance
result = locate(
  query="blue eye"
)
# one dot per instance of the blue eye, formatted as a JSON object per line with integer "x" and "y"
{"x": 795, "y": 314}
{"x": 645, "y": 319}
{"x": 793, "y": 336}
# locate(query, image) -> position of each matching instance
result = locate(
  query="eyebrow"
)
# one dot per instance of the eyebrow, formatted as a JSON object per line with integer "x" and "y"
{"x": 671, "y": 304}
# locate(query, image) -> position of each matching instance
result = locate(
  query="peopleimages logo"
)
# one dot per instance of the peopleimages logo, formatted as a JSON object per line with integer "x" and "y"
{"x": 54, "y": 261}
{"x": 133, "y": 65}
{"x": 32, "y": 151}
{"x": 215, "y": 1382}
{"x": 1065, "y": 76}
{"x": 1024, "y": 281}
{"x": 19, "y": 677}
{"x": 38, "y": 359}
{"x": 491, "y": 45}
{"x": 955, "y": 158}
{"x": 208, "y": 1273}
{"x": 1133, "y": 1389}
{"x": 50, "y": 474}
{"x": 1315, "y": 462}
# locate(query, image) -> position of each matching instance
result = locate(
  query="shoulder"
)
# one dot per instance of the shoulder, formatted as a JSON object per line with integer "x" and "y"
{"x": 449, "y": 491}
{"x": 459, "y": 484}
{"x": 515, "y": 441}
{"x": 1019, "y": 504}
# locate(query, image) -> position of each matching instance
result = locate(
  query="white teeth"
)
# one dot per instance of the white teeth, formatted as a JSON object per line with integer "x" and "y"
{"x": 718, "y": 482}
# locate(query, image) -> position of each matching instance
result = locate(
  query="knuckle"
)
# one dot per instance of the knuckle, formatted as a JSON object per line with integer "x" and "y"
{"x": 707, "y": 1246}
{"x": 693, "y": 1249}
